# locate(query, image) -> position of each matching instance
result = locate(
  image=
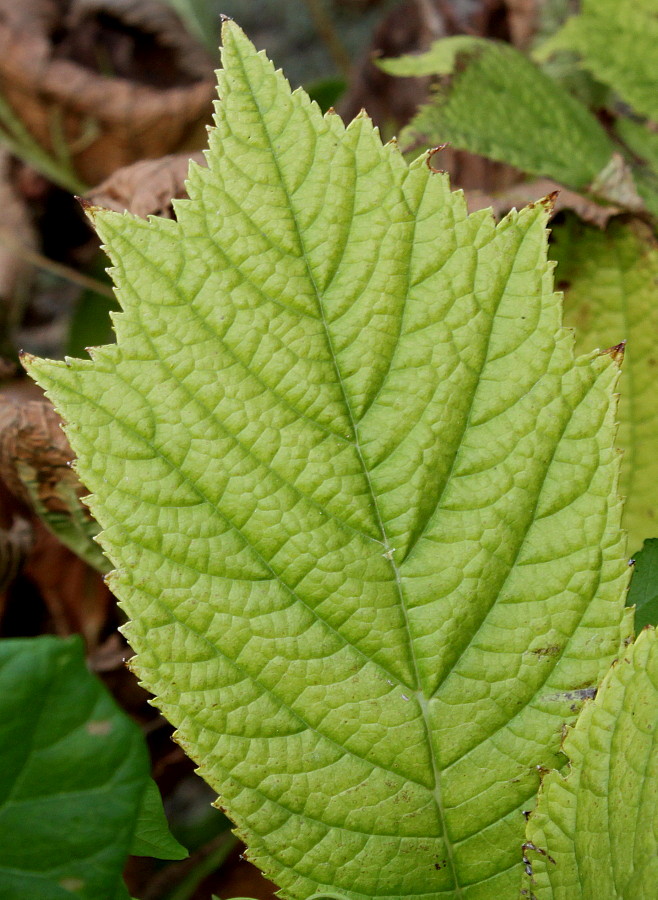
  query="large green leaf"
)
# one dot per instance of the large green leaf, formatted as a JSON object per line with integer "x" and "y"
{"x": 599, "y": 824}
{"x": 360, "y": 498}
{"x": 500, "y": 105}
{"x": 610, "y": 280}
{"x": 617, "y": 42}
{"x": 73, "y": 770}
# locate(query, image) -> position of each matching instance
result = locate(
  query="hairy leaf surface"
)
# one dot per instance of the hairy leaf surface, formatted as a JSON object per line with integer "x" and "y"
{"x": 599, "y": 824}
{"x": 617, "y": 42}
{"x": 610, "y": 278}
{"x": 360, "y": 498}
{"x": 500, "y": 105}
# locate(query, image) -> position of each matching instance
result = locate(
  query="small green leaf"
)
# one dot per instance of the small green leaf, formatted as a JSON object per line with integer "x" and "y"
{"x": 73, "y": 769}
{"x": 609, "y": 279}
{"x": 500, "y": 105}
{"x": 360, "y": 495}
{"x": 596, "y": 830}
{"x": 643, "y": 592}
{"x": 152, "y": 836}
{"x": 617, "y": 41}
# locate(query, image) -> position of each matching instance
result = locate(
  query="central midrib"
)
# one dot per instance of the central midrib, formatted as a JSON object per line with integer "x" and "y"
{"x": 422, "y": 700}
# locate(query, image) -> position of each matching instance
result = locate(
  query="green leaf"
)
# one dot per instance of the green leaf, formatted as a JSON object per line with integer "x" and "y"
{"x": 73, "y": 768}
{"x": 500, "y": 105}
{"x": 360, "y": 497}
{"x": 617, "y": 42}
{"x": 599, "y": 824}
{"x": 609, "y": 278}
{"x": 643, "y": 592}
{"x": 90, "y": 323}
{"x": 643, "y": 144}
{"x": 326, "y": 92}
{"x": 152, "y": 836}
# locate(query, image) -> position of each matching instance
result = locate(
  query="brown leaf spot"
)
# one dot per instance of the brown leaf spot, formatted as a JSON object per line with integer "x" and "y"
{"x": 616, "y": 353}
{"x": 100, "y": 728}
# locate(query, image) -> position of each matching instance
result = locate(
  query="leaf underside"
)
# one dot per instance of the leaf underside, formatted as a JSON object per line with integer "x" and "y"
{"x": 360, "y": 498}
{"x": 599, "y": 825}
{"x": 500, "y": 105}
{"x": 609, "y": 278}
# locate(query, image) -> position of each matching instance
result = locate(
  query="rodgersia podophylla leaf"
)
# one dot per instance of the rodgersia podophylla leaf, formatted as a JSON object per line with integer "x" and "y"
{"x": 360, "y": 497}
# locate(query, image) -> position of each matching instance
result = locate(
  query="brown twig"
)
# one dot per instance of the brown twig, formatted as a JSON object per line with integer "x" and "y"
{"x": 327, "y": 31}
{"x": 49, "y": 265}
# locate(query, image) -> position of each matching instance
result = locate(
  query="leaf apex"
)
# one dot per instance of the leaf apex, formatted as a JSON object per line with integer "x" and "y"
{"x": 616, "y": 353}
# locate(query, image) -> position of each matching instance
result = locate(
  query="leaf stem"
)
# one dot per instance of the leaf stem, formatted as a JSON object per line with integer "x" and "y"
{"x": 328, "y": 32}
{"x": 210, "y": 857}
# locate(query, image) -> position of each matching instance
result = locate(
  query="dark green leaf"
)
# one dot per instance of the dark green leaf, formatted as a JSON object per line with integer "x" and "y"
{"x": 643, "y": 592}
{"x": 152, "y": 836}
{"x": 73, "y": 770}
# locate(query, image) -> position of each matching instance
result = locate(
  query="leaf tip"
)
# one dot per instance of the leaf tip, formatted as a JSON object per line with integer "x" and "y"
{"x": 430, "y": 155}
{"x": 616, "y": 353}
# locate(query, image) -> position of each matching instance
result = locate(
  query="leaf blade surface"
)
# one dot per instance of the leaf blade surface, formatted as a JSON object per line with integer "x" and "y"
{"x": 498, "y": 104}
{"x": 329, "y": 453}
{"x": 609, "y": 279}
{"x": 598, "y": 823}
{"x": 616, "y": 40}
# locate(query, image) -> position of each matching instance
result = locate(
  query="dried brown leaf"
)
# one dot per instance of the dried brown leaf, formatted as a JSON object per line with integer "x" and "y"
{"x": 15, "y": 543}
{"x": 147, "y": 187}
{"x": 15, "y": 272}
{"x": 523, "y": 20}
{"x": 35, "y": 465}
{"x": 521, "y": 195}
{"x": 76, "y": 597}
{"x": 111, "y": 81}
{"x": 31, "y": 439}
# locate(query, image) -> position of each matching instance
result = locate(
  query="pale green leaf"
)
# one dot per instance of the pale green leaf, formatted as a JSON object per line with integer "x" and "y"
{"x": 643, "y": 592}
{"x": 599, "y": 824}
{"x": 610, "y": 281}
{"x": 617, "y": 41}
{"x": 500, "y": 105}
{"x": 360, "y": 498}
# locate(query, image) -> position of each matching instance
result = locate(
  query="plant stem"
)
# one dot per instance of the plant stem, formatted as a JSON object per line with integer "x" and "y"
{"x": 326, "y": 29}
{"x": 49, "y": 265}
{"x": 210, "y": 860}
